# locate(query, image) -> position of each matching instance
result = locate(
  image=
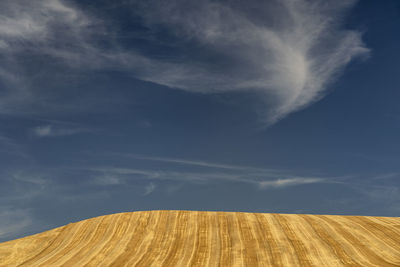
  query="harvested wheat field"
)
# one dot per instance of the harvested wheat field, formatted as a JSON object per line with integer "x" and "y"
{"x": 191, "y": 238}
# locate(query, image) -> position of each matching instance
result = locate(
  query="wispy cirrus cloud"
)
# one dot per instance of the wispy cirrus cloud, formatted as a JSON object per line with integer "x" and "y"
{"x": 11, "y": 147}
{"x": 40, "y": 42}
{"x": 149, "y": 189}
{"x": 8, "y": 142}
{"x": 13, "y": 221}
{"x": 53, "y": 131}
{"x": 286, "y": 52}
{"x": 260, "y": 178}
{"x": 54, "y": 28}
{"x": 290, "y": 182}
{"x": 192, "y": 162}
{"x": 200, "y": 172}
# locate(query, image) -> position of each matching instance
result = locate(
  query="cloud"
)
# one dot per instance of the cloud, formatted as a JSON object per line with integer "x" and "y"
{"x": 200, "y": 172}
{"x": 285, "y": 52}
{"x": 289, "y": 182}
{"x": 13, "y": 221}
{"x": 384, "y": 176}
{"x": 22, "y": 185}
{"x": 11, "y": 147}
{"x": 30, "y": 178}
{"x": 38, "y": 25}
{"x": 385, "y": 196}
{"x": 40, "y": 41}
{"x": 149, "y": 189}
{"x": 53, "y": 131}
{"x": 107, "y": 180}
{"x": 261, "y": 180}
{"x": 192, "y": 162}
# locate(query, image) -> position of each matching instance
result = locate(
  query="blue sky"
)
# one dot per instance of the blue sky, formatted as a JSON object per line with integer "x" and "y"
{"x": 274, "y": 106}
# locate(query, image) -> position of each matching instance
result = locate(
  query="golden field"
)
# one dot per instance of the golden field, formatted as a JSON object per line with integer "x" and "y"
{"x": 191, "y": 238}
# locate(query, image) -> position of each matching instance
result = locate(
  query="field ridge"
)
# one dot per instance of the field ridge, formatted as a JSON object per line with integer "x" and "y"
{"x": 200, "y": 238}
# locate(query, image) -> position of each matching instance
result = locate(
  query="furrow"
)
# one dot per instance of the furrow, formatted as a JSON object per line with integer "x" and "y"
{"x": 379, "y": 233}
{"x": 88, "y": 249}
{"x": 187, "y": 249}
{"x": 225, "y": 240}
{"x": 333, "y": 244}
{"x": 301, "y": 250}
{"x": 169, "y": 240}
{"x": 385, "y": 247}
{"x": 249, "y": 243}
{"x": 190, "y": 238}
{"x": 319, "y": 251}
{"x": 286, "y": 249}
{"x": 214, "y": 243}
{"x": 265, "y": 246}
{"x": 129, "y": 251}
{"x": 175, "y": 251}
{"x": 117, "y": 245}
{"x": 76, "y": 241}
{"x": 10, "y": 252}
{"x": 389, "y": 222}
{"x": 361, "y": 248}
{"x": 145, "y": 257}
{"x": 200, "y": 255}
{"x": 58, "y": 242}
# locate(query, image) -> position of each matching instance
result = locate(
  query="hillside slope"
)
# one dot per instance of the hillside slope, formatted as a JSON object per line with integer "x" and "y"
{"x": 191, "y": 238}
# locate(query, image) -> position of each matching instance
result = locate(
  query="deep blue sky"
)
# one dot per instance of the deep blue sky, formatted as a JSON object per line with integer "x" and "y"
{"x": 272, "y": 106}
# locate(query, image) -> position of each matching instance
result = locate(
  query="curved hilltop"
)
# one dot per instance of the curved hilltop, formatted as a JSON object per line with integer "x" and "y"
{"x": 191, "y": 238}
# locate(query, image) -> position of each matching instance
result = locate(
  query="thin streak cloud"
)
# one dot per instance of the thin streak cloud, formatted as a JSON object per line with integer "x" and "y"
{"x": 53, "y": 131}
{"x": 194, "y": 163}
{"x": 149, "y": 189}
{"x": 289, "y": 182}
{"x": 265, "y": 181}
{"x": 13, "y": 221}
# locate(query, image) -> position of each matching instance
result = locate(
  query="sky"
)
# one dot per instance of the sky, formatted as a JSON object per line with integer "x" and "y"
{"x": 286, "y": 106}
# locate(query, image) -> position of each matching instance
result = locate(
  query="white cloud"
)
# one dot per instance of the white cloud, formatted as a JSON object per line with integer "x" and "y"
{"x": 52, "y": 131}
{"x": 393, "y": 175}
{"x": 13, "y": 221}
{"x": 23, "y": 185}
{"x": 57, "y": 32}
{"x": 6, "y": 141}
{"x": 286, "y": 52}
{"x": 385, "y": 196}
{"x": 30, "y": 178}
{"x": 262, "y": 180}
{"x": 193, "y": 162}
{"x": 43, "y": 130}
{"x": 289, "y": 182}
{"x": 149, "y": 189}
{"x": 11, "y": 147}
{"x": 181, "y": 171}
{"x": 28, "y": 24}
{"x": 106, "y": 180}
